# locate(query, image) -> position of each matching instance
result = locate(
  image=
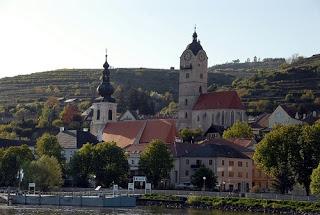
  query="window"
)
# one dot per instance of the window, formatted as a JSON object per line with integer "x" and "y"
{"x": 187, "y": 173}
{"x": 240, "y": 163}
{"x": 232, "y": 118}
{"x": 201, "y": 76}
{"x": 247, "y": 175}
{"x": 132, "y": 161}
{"x": 198, "y": 118}
{"x": 222, "y": 173}
{"x": 110, "y": 115}
{"x": 204, "y": 116}
{"x": 231, "y": 163}
{"x": 187, "y": 75}
{"x": 200, "y": 90}
{"x": 98, "y": 114}
{"x": 187, "y": 161}
{"x": 198, "y": 162}
{"x": 240, "y": 174}
{"x": 247, "y": 164}
{"x": 186, "y": 102}
{"x": 231, "y": 174}
{"x": 186, "y": 115}
{"x": 222, "y": 162}
{"x": 222, "y": 118}
{"x": 210, "y": 162}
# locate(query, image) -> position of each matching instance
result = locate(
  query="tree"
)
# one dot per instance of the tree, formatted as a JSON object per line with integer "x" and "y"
{"x": 81, "y": 165}
{"x": 156, "y": 162}
{"x": 274, "y": 155}
{"x": 190, "y": 134}
{"x": 238, "y": 130}
{"x": 210, "y": 181}
{"x": 315, "y": 181}
{"x": 45, "y": 172}
{"x": 307, "y": 96}
{"x": 12, "y": 160}
{"x": 110, "y": 164}
{"x": 48, "y": 145}
{"x": 70, "y": 113}
{"x": 306, "y": 155}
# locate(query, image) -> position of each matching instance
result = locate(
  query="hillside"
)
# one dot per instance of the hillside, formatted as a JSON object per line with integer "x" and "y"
{"x": 263, "y": 83}
{"x": 82, "y": 83}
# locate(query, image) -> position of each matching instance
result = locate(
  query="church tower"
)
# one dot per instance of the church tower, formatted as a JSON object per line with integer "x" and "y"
{"x": 105, "y": 108}
{"x": 193, "y": 79}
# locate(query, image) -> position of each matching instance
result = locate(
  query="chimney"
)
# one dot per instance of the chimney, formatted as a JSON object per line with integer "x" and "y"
{"x": 85, "y": 129}
{"x": 61, "y": 129}
{"x": 304, "y": 116}
{"x": 297, "y": 115}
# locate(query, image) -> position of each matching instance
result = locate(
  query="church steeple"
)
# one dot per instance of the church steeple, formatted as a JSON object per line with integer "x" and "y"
{"x": 105, "y": 88}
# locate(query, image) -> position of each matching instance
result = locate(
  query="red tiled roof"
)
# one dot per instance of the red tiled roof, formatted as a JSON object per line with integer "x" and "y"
{"x": 163, "y": 129}
{"x": 125, "y": 133}
{"x": 244, "y": 142}
{"x": 218, "y": 100}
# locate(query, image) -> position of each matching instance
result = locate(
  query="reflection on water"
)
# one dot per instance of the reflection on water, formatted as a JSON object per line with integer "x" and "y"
{"x": 49, "y": 210}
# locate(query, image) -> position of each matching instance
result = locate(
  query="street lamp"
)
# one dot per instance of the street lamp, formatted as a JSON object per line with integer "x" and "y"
{"x": 204, "y": 183}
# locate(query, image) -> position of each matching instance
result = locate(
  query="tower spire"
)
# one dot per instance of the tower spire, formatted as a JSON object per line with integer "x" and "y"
{"x": 105, "y": 88}
{"x": 195, "y": 35}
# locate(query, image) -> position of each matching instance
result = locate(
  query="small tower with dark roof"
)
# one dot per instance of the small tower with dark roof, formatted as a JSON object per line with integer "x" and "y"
{"x": 105, "y": 107}
{"x": 193, "y": 78}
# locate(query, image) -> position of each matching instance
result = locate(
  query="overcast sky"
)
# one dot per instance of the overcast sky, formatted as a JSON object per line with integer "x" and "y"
{"x": 39, "y": 35}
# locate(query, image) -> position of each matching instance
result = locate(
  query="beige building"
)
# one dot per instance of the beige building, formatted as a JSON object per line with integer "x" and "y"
{"x": 197, "y": 108}
{"x": 232, "y": 168}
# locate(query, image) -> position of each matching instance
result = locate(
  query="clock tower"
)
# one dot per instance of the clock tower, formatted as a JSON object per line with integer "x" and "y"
{"x": 193, "y": 79}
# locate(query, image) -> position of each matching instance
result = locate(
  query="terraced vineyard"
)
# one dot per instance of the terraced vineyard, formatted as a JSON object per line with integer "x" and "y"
{"x": 82, "y": 83}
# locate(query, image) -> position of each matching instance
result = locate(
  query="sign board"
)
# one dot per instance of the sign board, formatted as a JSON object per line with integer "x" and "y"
{"x": 115, "y": 187}
{"x": 97, "y": 188}
{"x": 130, "y": 186}
{"x": 148, "y": 188}
{"x": 32, "y": 185}
{"x": 139, "y": 178}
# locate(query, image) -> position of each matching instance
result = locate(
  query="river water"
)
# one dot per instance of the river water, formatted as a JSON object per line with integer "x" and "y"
{"x": 50, "y": 210}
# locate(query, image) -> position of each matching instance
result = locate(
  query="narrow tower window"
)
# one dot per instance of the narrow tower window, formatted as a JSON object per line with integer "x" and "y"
{"x": 200, "y": 90}
{"x": 110, "y": 115}
{"x": 201, "y": 76}
{"x": 98, "y": 114}
{"x": 186, "y": 102}
{"x": 186, "y": 115}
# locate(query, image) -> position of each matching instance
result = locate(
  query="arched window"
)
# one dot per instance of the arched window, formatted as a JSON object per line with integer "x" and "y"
{"x": 200, "y": 90}
{"x": 186, "y": 115}
{"x": 98, "y": 114}
{"x": 231, "y": 118}
{"x": 186, "y": 102}
{"x": 222, "y": 118}
{"x": 205, "y": 115}
{"x": 110, "y": 115}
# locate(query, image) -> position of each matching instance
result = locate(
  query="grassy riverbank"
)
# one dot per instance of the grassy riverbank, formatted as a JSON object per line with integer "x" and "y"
{"x": 238, "y": 204}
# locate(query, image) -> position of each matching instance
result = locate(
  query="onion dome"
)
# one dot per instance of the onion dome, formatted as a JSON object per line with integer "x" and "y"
{"x": 195, "y": 46}
{"x": 105, "y": 88}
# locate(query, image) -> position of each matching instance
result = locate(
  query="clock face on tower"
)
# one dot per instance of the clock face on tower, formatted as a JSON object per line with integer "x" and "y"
{"x": 202, "y": 57}
{"x": 187, "y": 56}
